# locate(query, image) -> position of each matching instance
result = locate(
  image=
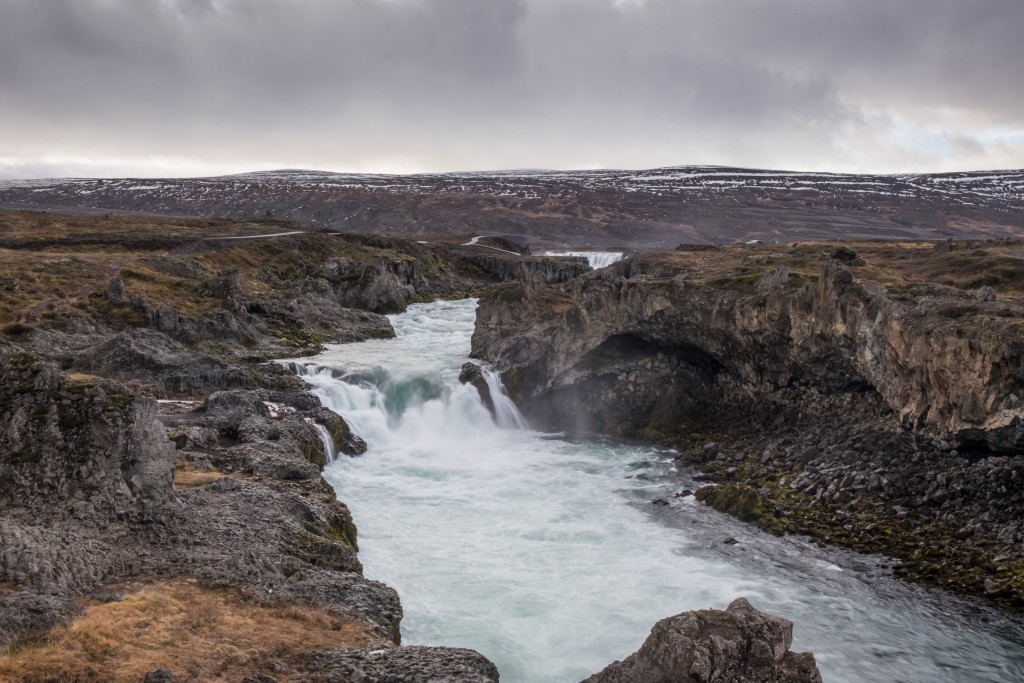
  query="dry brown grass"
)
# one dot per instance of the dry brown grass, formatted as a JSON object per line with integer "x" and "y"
{"x": 30, "y": 226}
{"x": 199, "y": 633}
{"x": 186, "y": 476}
{"x": 967, "y": 265}
{"x": 61, "y": 264}
{"x": 187, "y": 479}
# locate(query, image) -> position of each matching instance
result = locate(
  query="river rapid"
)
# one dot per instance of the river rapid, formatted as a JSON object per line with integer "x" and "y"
{"x": 546, "y": 554}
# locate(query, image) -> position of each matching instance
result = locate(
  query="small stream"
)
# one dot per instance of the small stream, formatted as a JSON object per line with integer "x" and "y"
{"x": 546, "y": 554}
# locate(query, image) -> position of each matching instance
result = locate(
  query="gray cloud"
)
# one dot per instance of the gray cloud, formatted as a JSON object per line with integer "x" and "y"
{"x": 195, "y": 86}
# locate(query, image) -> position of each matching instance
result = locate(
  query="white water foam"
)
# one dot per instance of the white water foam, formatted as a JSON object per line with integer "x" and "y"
{"x": 545, "y": 554}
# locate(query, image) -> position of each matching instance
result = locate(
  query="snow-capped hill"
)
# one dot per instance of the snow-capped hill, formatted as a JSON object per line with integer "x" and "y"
{"x": 627, "y": 208}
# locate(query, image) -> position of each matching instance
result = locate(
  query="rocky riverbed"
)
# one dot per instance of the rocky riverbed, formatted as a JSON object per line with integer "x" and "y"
{"x": 161, "y": 482}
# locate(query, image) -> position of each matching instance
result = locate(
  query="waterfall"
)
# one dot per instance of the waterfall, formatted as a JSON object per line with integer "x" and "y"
{"x": 427, "y": 408}
{"x": 506, "y": 414}
{"x": 330, "y": 449}
{"x": 596, "y": 259}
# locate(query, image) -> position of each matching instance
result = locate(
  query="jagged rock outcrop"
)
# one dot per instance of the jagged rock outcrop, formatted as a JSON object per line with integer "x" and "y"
{"x": 87, "y": 494}
{"x": 941, "y": 360}
{"x": 345, "y": 440}
{"x": 739, "y": 645}
{"x": 471, "y": 374}
{"x": 320, "y": 315}
{"x": 265, "y": 444}
{"x": 63, "y": 439}
{"x": 68, "y": 449}
{"x": 378, "y": 286}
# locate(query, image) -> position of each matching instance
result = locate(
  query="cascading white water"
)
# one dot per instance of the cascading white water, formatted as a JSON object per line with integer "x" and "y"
{"x": 596, "y": 259}
{"x": 330, "y": 449}
{"x": 545, "y": 554}
{"x": 506, "y": 415}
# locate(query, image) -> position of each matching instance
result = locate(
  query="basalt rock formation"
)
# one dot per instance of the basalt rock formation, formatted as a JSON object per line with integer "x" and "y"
{"x": 942, "y": 361}
{"x": 739, "y": 645}
{"x": 871, "y": 415}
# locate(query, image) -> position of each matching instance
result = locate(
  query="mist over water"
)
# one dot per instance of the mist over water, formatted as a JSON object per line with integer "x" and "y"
{"x": 545, "y": 554}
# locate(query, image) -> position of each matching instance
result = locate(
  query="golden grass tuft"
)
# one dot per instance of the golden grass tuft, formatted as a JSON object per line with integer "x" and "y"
{"x": 187, "y": 479}
{"x": 186, "y": 476}
{"x": 198, "y": 633}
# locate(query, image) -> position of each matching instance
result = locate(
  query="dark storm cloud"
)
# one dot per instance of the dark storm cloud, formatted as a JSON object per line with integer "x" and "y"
{"x": 441, "y": 84}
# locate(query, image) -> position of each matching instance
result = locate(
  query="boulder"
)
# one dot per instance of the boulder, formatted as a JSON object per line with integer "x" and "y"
{"x": 739, "y": 645}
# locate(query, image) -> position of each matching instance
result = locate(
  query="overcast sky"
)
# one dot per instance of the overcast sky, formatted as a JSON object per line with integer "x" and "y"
{"x": 197, "y": 87}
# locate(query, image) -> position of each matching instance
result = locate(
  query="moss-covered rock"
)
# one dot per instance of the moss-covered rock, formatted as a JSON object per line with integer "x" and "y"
{"x": 738, "y": 500}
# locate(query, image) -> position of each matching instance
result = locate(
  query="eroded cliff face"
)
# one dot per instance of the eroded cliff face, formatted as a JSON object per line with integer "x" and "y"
{"x": 69, "y": 439}
{"x": 643, "y": 343}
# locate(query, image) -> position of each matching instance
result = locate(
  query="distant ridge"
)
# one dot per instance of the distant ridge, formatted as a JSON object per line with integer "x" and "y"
{"x": 629, "y": 209}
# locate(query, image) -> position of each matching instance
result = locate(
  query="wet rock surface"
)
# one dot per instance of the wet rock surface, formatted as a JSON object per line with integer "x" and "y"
{"x": 738, "y": 645}
{"x": 471, "y": 374}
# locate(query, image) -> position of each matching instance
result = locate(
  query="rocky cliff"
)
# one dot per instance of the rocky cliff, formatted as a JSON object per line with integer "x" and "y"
{"x": 942, "y": 360}
{"x": 818, "y": 400}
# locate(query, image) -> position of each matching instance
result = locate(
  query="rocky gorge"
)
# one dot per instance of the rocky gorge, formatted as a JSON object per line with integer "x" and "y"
{"x": 161, "y": 481}
{"x": 870, "y": 398}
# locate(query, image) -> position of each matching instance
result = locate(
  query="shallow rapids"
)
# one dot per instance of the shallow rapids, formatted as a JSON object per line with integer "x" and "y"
{"x": 546, "y": 555}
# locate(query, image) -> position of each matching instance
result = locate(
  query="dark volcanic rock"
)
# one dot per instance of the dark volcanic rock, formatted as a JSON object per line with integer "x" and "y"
{"x": 471, "y": 374}
{"x": 88, "y": 499}
{"x": 61, "y": 440}
{"x": 88, "y": 449}
{"x": 847, "y": 255}
{"x": 159, "y": 676}
{"x": 662, "y": 339}
{"x": 547, "y": 269}
{"x": 345, "y": 440}
{"x": 739, "y": 645}
{"x": 151, "y": 356}
{"x": 324, "y": 316}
